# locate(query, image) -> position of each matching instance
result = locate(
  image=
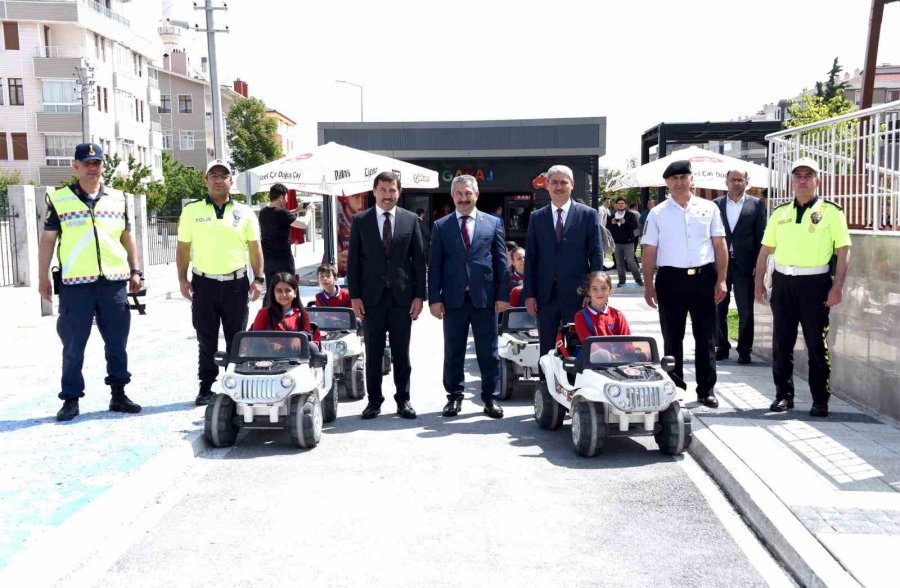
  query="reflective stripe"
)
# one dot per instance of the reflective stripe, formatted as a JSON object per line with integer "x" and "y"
{"x": 792, "y": 270}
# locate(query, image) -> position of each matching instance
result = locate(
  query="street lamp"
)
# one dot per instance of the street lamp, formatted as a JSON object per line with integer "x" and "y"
{"x": 360, "y": 96}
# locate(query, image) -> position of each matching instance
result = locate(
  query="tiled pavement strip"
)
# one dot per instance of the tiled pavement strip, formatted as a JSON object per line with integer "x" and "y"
{"x": 822, "y": 493}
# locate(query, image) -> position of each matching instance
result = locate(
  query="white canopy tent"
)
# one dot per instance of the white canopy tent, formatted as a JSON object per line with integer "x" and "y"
{"x": 709, "y": 169}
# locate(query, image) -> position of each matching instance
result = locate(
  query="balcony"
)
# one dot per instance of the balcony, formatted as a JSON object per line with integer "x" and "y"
{"x": 57, "y": 62}
{"x": 53, "y": 176}
{"x": 97, "y": 7}
{"x": 58, "y": 122}
{"x": 42, "y": 10}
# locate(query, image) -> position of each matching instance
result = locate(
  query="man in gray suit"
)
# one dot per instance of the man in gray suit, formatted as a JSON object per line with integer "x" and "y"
{"x": 744, "y": 217}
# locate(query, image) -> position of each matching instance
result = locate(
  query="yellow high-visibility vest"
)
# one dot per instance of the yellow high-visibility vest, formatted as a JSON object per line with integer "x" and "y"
{"x": 89, "y": 241}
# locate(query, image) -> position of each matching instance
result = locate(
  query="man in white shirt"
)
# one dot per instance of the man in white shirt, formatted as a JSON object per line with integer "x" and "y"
{"x": 685, "y": 237}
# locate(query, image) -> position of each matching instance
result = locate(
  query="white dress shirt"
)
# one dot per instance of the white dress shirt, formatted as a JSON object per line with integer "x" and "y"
{"x": 733, "y": 210}
{"x": 683, "y": 236}
{"x": 565, "y": 208}
{"x": 379, "y": 217}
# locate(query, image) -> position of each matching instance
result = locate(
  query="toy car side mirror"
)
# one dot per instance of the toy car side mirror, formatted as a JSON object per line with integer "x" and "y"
{"x": 570, "y": 365}
{"x": 220, "y": 358}
{"x": 667, "y": 363}
{"x": 313, "y": 327}
{"x": 317, "y": 359}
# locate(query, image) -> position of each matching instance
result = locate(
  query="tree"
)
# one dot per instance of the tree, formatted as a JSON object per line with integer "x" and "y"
{"x": 8, "y": 179}
{"x": 813, "y": 108}
{"x": 832, "y": 87}
{"x": 251, "y": 134}
{"x": 179, "y": 182}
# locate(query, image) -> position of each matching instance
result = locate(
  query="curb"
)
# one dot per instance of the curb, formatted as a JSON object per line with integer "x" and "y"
{"x": 805, "y": 558}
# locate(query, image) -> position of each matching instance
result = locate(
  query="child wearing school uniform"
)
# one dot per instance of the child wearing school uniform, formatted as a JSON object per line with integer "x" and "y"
{"x": 284, "y": 311}
{"x": 331, "y": 295}
{"x": 597, "y": 318}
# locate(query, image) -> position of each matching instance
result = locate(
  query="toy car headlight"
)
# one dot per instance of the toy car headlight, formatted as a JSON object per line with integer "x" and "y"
{"x": 669, "y": 389}
{"x": 287, "y": 382}
{"x": 613, "y": 391}
{"x": 340, "y": 348}
{"x": 229, "y": 382}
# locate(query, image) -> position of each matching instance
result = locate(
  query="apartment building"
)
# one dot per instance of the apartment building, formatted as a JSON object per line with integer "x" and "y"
{"x": 285, "y": 130}
{"x": 45, "y": 44}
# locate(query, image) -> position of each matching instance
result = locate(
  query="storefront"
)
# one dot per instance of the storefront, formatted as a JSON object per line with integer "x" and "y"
{"x": 506, "y": 157}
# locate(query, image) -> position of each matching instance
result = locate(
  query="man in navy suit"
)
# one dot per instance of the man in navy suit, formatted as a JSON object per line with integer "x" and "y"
{"x": 563, "y": 246}
{"x": 468, "y": 285}
{"x": 744, "y": 218}
{"x": 386, "y": 277}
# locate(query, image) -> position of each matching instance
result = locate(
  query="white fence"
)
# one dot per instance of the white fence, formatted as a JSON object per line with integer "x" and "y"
{"x": 859, "y": 154}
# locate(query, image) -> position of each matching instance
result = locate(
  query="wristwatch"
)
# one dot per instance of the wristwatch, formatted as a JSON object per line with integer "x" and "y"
{"x": 137, "y": 272}
{"x": 259, "y": 280}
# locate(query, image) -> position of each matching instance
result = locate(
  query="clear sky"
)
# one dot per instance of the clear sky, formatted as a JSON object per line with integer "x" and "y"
{"x": 637, "y": 62}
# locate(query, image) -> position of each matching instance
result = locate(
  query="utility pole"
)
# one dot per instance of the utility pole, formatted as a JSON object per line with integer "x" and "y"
{"x": 214, "y": 90}
{"x": 84, "y": 85}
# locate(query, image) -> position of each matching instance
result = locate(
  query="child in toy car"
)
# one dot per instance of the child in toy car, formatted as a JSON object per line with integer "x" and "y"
{"x": 283, "y": 311}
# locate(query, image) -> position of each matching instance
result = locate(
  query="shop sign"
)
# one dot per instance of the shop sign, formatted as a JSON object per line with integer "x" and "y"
{"x": 479, "y": 173}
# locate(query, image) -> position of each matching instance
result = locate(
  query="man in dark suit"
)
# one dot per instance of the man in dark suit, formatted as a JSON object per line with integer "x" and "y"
{"x": 386, "y": 278}
{"x": 744, "y": 217}
{"x": 468, "y": 284}
{"x": 563, "y": 246}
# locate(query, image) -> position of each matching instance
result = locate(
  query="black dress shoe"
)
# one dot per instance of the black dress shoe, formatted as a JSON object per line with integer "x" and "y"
{"x": 492, "y": 409}
{"x": 372, "y": 410}
{"x": 68, "y": 411}
{"x": 121, "y": 403}
{"x": 711, "y": 401}
{"x": 204, "y": 397}
{"x": 620, "y": 285}
{"x": 406, "y": 410}
{"x": 721, "y": 354}
{"x": 782, "y": 405}
{"x": 452, "y": 408}
{"x": 744, "y": 359}
{"x": 639, "y": 283}
{"x": 818, "y": 410}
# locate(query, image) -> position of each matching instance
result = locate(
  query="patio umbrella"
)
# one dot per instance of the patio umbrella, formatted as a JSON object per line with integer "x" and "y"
{"x": 333, "y": 169}
{"x": 709, "y": 169}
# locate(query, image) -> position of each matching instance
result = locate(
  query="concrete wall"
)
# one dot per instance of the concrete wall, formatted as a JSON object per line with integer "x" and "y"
{"x": 865, "y": 348}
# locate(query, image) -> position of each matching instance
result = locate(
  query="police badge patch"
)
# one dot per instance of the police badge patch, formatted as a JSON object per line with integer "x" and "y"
{"x": 816, "y": 217}
{"x": 236, "y": 214}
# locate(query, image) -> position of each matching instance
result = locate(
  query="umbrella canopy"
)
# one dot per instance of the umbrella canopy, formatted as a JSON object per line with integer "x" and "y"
{"x": 333, "y": 169}
{"x": 709, "y": 169}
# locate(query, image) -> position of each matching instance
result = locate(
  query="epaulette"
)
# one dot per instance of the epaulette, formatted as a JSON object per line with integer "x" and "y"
{"x": 192, "y": 202}
{"x": 782, "y": 205}
{"x": 833, "y": 204}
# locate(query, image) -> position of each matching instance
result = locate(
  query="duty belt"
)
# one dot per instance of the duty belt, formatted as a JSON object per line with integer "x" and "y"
{"x": 793, "y": 270}
{"x": 235, "y": 275}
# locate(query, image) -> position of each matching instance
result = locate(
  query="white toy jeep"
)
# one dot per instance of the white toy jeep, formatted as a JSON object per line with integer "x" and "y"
{"x": 273, "y": 379}
{"x": 519, "y": 350}
{"x": 611, "y": 385}
{"x": 339, "y": 329}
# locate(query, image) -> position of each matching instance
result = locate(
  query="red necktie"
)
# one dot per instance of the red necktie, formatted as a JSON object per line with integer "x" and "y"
{"x": 386, "y": 234}
{"x": 465, "y": 231}
{"x": 559, "y": 225}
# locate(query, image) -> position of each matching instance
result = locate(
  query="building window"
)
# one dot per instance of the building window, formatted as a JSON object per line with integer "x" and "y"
{"x": 167, "y": 140}
{"x": 126, "y": 149}
{"x": 60, "y": 96}
{"x": 16, "y": 92}
{"x": 59, "y": 149}
{"x": 105, "y": 100}
{"x": 185, "y": 140}
{"x": 4, "y": 154}
{"x": 157, "y": 161}
{"x": 20, "y": 146}
{"x": 185, "y": 105}
{"x": 165, "y": 104}
{"x": 1, "y": 91}
{"x": 11, "y": 36}
{"x": 893, "y": 95}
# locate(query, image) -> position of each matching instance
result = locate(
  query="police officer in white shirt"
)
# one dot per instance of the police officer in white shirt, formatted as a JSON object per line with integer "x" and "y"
{"x": 685, "y": 237}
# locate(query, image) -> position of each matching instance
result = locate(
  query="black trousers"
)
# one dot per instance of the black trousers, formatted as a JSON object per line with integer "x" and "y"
{"x": 679, "y": 295}
{"x": 800, "y": 300}
{"x": 456, "y": 334}
{"x": 217, "y": 303}
{"x": 549, "y": 317}
{"x": 742, "y": 284}
{"x": 383, "y": 318}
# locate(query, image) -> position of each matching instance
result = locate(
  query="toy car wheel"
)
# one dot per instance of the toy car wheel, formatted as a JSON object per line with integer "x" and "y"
{"x": 507, "y": 379}
{"x": 355, "y": 380}
{"x": 330, "y": 404}
{"x": 305, "y": 420}
{"x": 588, "y": 428}
{"x": 219, "y": 427}
{"x": 386, "y": 362}
{"x": 547, "y": 412}
{"x": 673, "y": 431}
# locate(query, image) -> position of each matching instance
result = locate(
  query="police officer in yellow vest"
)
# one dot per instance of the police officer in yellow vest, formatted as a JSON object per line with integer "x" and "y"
{"x": 804, "y": 235}
{"x": 214, "y": 237}
{"x": 98, "y": 259}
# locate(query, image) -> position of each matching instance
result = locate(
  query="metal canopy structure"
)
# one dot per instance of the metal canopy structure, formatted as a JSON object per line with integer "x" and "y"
{"x": 665, "y": 135}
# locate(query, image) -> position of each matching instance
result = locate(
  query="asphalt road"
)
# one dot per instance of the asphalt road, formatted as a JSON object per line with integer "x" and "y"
{"x": 433, "y": 502}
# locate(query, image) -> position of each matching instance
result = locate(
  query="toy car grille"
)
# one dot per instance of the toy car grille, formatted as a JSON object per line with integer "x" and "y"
{"x": 261, "y": 389}
{"x": 643, "y": 397}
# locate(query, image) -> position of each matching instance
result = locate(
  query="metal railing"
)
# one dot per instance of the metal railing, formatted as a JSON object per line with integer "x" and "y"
{"x": 859, "y": 154}
{"x": 9, "y": 270}
{"x": 96, "y": 6}
{"x": 162, "y": 239}
{"x": 58, "y": 51}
